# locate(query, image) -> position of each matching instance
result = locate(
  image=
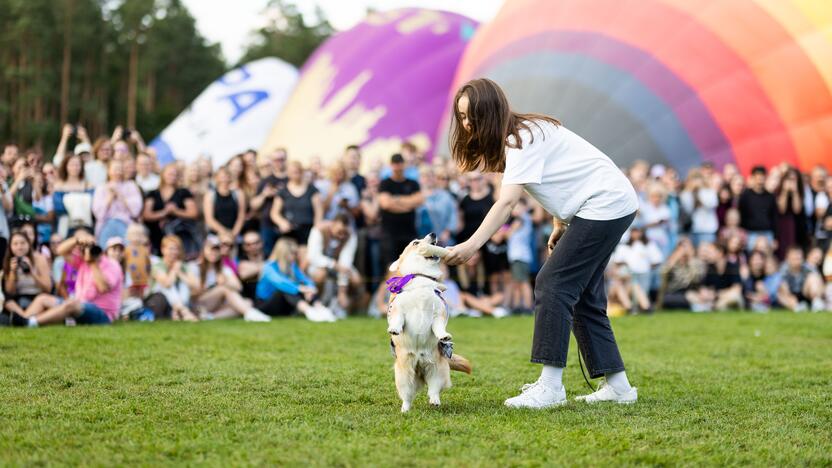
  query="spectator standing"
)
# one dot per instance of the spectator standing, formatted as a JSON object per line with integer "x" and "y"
{"x": 146, "y": 178}
{"x": 338, "y": 193}
{"x": 297, "y": 208}
{"x": 224, "y": 208}
{"x": 171, "y": 209}
{"x": 269, "y": 187}
{"x": 791, "y": 218}
{"x": 520, "y": 257}
{"x": 73, "y": 196}
{"x": 439, "y": 212}
{"x": 758, "y": 208}
{"x": 115, "y": 204}
{"x": 699, "y": 201}
{"x": 399, "y": 197}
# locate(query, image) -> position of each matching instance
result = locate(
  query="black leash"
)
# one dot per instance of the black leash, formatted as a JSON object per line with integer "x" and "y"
{"x": 581, "y": 362}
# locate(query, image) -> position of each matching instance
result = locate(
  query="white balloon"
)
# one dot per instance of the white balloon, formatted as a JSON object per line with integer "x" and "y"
{"x": 232, "y": 115}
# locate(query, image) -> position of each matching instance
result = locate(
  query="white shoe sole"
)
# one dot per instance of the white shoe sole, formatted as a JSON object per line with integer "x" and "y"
{"x": 551, "y": 405}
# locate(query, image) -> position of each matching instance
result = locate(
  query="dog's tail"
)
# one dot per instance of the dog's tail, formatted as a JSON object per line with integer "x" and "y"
{"x": 459, "y": 363}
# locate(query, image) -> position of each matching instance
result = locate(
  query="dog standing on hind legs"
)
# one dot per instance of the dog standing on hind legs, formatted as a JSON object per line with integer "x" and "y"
{"x": 416, "y": 318}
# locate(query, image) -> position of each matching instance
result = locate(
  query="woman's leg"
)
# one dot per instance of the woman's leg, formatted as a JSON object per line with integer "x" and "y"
{"x": 41, "y": 303}
{"x": 13, "y": 307}
{"x": 569, "y": 293}
{"x": 57, "y": 314}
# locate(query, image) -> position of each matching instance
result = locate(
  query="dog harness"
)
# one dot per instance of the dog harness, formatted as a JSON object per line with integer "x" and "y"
{"x": 396, "y": 285}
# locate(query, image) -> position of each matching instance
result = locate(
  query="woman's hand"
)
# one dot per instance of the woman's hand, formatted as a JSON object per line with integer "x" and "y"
{"x": 557, "y": 232}
{"x": 460, "y": 253}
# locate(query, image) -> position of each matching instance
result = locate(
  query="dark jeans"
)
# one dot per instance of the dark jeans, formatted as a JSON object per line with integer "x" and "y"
{"x": 570, "y": 296}
{"x": 280, "y": 304}
{"x": 269, "y": 235}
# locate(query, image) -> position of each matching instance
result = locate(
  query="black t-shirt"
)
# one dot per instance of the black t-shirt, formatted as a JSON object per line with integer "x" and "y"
{"x": 298, "y": 210}
{"x": 265, "y": 211}
{"x": 178, "y": 198}
{"x": 473, "y": 213}
{"x": 758, "y": 211}
{"x": 399, "y": 225}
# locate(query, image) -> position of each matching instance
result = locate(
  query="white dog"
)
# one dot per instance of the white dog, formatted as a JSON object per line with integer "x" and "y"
{"x": 416, "y": 318}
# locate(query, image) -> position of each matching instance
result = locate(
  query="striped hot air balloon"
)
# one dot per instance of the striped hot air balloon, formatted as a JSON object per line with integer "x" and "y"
{"x": 670, "y": 81}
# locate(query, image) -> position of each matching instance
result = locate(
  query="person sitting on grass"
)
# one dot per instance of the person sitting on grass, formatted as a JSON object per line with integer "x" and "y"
{"x": 331, "y": 252}
{"x": 97, "y": 297}
{"x": 474, "y": 292}
{"x": 25, "y": 275}
{"x": 250, "y": 263}
{"x": 218, "y": 294}
{"x": 721, "y": 287}
{"x": 755, "y": 292}
{"x": 173, "y": 282}
{"x": 801, "y": 286}
{"x": 681, "y": 273}
{"x": 283, "y": 289}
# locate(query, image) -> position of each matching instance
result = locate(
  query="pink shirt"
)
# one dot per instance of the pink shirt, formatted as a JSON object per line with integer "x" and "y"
{"x": 126, "y": 208}
{"x": 85, "y": 289}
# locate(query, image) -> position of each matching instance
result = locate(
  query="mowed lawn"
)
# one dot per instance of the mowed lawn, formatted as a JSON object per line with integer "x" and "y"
{"x": 714, "y": 389}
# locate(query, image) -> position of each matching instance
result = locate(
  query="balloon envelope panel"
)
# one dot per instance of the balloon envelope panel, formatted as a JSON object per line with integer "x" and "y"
{"x": 670, "y": 81}
{"x": 232, "y": 115}
{"x": 378, "y": 84}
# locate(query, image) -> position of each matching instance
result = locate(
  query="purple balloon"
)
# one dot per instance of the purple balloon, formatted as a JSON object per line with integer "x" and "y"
{"x": 378, "y": 84}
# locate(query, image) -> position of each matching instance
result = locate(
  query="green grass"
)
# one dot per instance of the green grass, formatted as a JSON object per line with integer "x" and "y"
{"x": 714, "y": 389}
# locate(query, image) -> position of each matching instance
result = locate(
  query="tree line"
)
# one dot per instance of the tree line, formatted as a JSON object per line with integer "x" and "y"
{"x": 104, "y": 63}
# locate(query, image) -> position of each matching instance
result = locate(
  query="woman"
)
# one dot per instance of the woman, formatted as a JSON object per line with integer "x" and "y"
{"x": 73, "y": 196}
{"x": 439, "y": 213}
{"x": 699, "y": 202}
{"x": 593, "y": 204}
{"x": 25, "y": 275}
{"x": 283, "y": 289}
{"x": 682, "y": 272}
{"x": 218, "y": 295}
{"x": 297, "y": 207}
{"x": 172, "y": 281}
{"x": 224, "y": 207}
{"x": 171, "y": 209}
{"x": 115, "y": 204}
{"x": 338, "y": 193}
{"x": 95, "y": 170}
{"x": 791, "y": 215}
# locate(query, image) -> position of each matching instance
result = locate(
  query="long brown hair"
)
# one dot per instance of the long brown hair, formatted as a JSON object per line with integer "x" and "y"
{"x": 8, "y": 260}
{"x": 492, "y": 123}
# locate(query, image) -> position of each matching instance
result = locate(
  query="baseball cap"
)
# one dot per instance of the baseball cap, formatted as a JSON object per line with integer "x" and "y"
{"x": 114, "y": 241}
{"x": 397, "y": 159}
{"x": 82, "y": 148}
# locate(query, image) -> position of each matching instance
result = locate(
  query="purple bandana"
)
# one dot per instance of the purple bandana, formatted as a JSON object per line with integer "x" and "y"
{"x": 397, "y": 283}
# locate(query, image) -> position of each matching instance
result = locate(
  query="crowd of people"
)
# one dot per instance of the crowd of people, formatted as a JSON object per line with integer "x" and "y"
{"x": 101, "y": 233}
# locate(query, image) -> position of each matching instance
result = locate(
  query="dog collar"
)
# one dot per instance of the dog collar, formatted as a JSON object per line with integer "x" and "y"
{"x": 397, "y": 283}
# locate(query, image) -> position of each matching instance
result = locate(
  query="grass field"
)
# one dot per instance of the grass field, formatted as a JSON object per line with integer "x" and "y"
{"x": 714, "y": 389}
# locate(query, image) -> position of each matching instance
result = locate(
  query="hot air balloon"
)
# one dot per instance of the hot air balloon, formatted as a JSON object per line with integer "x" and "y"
{"x": 383, "y": 82}
{"x": 670, "y": 81}
{"x": 232, "y": 115}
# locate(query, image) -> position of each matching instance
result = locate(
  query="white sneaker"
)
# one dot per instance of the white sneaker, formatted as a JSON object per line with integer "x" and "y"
{"x": 319, "y": 313}
{"x": 254, "y": 315}
{"x": 818, "y": 305}
{"x": 500, "y": 312}
{"x": 607, "y": 393}
{"x": 474, "y": 313}
{"x": 537, "y": 396}
{"x": 801, "y": 307}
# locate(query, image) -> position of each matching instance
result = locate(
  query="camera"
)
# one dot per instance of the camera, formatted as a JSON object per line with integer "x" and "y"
{"x": 24, "y": 267}
{"x": 94, "y": 250}
{"x": 125, "y": 134}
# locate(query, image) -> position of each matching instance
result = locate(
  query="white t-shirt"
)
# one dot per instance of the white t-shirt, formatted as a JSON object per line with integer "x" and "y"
{"x": 639, "y": 257}
{"x": 568, "y": 176}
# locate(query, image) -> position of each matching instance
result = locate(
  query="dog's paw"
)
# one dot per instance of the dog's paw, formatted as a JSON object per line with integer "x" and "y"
{"x": 434, "y": 401}
{"x": 394, "y": 330}
{"x": 446, "y": 337}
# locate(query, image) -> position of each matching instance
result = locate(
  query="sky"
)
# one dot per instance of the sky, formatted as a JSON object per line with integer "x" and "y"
{"x": 229, "y": 22}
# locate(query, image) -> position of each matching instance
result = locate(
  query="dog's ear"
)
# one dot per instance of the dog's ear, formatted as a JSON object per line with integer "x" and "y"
{"x": 394, "y": 266}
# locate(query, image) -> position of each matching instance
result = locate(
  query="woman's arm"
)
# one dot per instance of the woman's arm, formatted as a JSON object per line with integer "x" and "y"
{"x": 277, "y": 215}
{"x": 208, "y": 209}
{"x": 231, "y": 281}
{"x": 241, "y": 213}
{"x": 148, "y": 214}
{"x": 41, "y": 273}
{"x": 189, "y": 212}
{"x": 317, "y": 208}
{"x": 496, "y": 217}
{"x": 132, "y": 198}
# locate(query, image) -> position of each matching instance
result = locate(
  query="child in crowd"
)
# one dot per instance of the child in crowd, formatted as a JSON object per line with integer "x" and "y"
{"x": 520, "y": 256}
